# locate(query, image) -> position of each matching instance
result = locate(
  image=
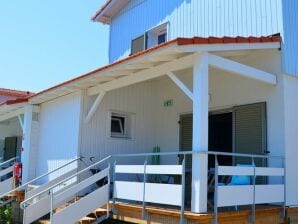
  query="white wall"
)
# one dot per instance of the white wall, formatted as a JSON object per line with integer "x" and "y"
{"x": 291, "y": 136}
{"x": 59, "y": 133}
{"x": 138, "y": 100}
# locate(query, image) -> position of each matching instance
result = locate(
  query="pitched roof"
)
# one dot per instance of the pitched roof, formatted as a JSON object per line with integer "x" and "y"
{"x": 178, "y": 42}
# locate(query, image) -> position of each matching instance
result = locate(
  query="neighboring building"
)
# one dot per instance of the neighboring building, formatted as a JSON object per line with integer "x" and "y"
{"x": 185, "y": 75}
{"x": 10, "y": 130}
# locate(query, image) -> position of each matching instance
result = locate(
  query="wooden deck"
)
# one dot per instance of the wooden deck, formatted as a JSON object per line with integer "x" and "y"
{"x": 133, "y": 213}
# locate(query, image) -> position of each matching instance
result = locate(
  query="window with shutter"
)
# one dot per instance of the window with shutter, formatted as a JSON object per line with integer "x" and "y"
{"x": 138, "y": 44}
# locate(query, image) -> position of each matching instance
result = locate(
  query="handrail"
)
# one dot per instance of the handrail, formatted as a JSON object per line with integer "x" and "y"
{"x": 61, "y": 182}
{"x": 197, "y": 152}
{"x": 149, "y": 154}
{"x": 38, "y": 178}
{"x": 8, "y": 161}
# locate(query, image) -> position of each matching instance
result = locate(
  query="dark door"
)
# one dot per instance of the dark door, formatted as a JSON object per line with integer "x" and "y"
{"x": 10, "y": 148}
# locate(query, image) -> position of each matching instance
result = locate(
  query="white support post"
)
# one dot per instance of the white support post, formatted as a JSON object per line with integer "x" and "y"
{"x": 25, "y": 157}
{"x": 200, "y": 134}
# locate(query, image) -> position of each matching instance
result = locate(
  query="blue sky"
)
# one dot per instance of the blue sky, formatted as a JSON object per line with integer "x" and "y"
{"x": 43, "y": 43}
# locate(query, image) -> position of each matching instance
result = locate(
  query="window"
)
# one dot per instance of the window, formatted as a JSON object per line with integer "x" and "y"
{"x": 138, "y": 44}
{"x": 151, "y": 38}
{"x": 162, "y": 38}
{"x": 157, "y": 35}
{"x": 121, "y": 125}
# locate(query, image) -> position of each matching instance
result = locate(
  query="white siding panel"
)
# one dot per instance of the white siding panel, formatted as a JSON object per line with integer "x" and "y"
{"x": 189, "y": 18}
{"x": 137, "y": 100}
{"x": 59, "y": 133}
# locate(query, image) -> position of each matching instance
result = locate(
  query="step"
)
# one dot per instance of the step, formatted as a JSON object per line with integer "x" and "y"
{"x": 99, "y": 212}
{"x": 87, "y": 220}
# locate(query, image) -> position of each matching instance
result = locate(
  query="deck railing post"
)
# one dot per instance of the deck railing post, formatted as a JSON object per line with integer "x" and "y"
{"x": 109, "y": 184}
{"x": 183, "y": 191}
{"x": 253, "y": 208}
{"x": 51, "y": 205}
{"x": 114, "y": 187}
{"x": 216, "y": 191}
{"x": 144, "y": 189}
{"x": 285, "y": 195}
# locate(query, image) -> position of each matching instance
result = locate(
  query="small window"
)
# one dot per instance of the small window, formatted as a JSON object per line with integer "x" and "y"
{"x": 138, "y": 44}
{"x": 117, "y": 125}
{"x": 157, "y": 35}
{"x": 120, "y": 125}
{"x": 162, "y": 38}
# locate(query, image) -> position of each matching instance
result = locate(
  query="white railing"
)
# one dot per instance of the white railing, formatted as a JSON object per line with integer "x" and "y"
{"x": 248, "y": 192}
{"x": 6, "y": 175}
{"x": 159, "y": 193}
{"x": 146, "y": 191}
{"x": 26, "y": 187}
{"x": 43, "y": 203}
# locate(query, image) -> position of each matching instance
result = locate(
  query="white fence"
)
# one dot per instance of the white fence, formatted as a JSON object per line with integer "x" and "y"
{"x": 248, "y": 193}
{"x": 7, "y": 183}
{"x": 159, "y": 193}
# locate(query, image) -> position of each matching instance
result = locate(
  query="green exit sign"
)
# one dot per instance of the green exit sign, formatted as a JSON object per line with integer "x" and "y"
{"x": 168, "y": 103}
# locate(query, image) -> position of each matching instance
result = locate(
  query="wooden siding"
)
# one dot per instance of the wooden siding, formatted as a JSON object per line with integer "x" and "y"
{"x": 290, "y": 45}
{"x": 138, "y": 101}
{"x": 189, "y": 18}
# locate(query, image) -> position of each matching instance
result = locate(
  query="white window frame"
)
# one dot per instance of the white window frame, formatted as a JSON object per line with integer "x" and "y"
{"x": 151, "y": 35}
{"x": 127, "y": 130}
{"x": 155, "y": 32}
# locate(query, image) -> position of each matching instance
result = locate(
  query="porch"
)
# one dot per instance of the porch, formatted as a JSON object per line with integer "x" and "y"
{"x": 203, "y": 109}
{"x": 232, "y": 96}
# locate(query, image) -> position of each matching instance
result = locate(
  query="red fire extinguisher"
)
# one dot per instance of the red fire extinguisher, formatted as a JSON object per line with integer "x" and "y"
{"x": 17, "y": 171}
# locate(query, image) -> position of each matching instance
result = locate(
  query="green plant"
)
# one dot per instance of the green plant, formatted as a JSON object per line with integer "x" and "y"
{"x": 6, "y": 214}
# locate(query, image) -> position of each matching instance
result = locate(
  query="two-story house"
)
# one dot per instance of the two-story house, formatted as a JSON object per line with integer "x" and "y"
{"x": 208, "y": 85}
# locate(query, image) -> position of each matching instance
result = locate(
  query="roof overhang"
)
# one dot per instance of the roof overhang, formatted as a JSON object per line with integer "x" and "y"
{"x": 177, "y": 54}
{"x": 109, "y": 10}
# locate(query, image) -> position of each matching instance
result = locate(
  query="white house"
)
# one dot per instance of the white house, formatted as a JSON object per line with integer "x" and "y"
{"x": 199, "y": 78}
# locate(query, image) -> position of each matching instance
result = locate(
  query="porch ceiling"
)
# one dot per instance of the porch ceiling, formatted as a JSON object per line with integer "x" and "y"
{"x": 174, "y": 55}
{"x": 10, "y": 111}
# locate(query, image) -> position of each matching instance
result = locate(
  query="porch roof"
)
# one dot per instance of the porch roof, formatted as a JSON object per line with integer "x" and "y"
{"x": 148, "y": 64}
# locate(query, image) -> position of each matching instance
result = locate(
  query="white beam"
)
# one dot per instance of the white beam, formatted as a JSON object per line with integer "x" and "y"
{"x": 94, "y": 107}
{"x": 144, "y": 75}
{"x": 180, "y": 84}
{"x": 12, "y": 114}
{"x": 21, "y": 122}
{"x": 200, "y": 135}
{"x": 241, "y": 69}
